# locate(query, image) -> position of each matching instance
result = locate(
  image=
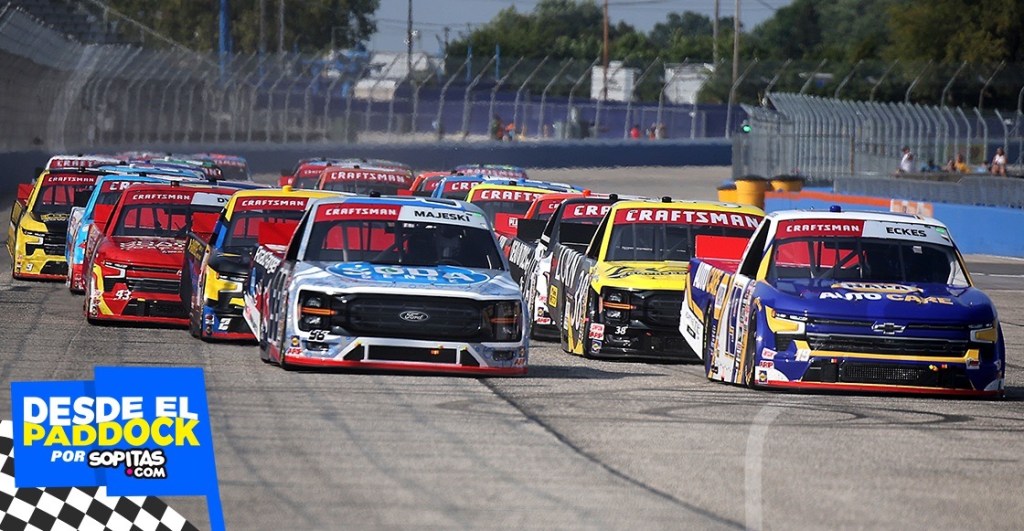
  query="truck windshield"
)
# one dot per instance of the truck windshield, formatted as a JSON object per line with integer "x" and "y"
{"x": 405, "y": 243}
{"x": 654, "y": 242}
{"x": 161, "y": 220}
{"x": 58, "y": 198}
{"x": 244, "y": 230}
{"x": 363, "y": 187}
{"x": 866, "y": 259}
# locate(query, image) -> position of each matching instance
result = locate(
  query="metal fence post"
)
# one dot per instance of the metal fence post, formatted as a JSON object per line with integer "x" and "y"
{"x": 604, "y": 96}
{"x": 544, "y": 95}
{"x": 632, "y": 93}
{"x": 497, "y": 85}
{"x": 967, "y": 157}
{"x": 1006, "y": 132}
{"x": 849, "y": 76}
{"x": 285, "y": 118}
{"x": 572, "y": 91}
{"x": 444, "y": 91}
{"x": 984, "y": 130}
{"x": 519, "y": 91}
{"x": 906, "y": 97}
{"x": 349, "y": 129}
{"x": 732, "y": 98}
{"x": 885, "y": 74}
{"x": 469, "y": 90}
{"x": 373, "y": 91}
{"x": 284, "y": 66}
{"x": 326, "y": 117}
{"x": 814, "y": 74}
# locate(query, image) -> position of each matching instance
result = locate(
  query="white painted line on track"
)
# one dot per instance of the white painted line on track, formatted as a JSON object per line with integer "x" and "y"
{"x": 753, "y": 465}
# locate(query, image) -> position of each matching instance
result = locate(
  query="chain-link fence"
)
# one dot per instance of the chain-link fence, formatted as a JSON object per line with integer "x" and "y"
{"x": 61, "y": 94}
{"x": 832, "y": 139}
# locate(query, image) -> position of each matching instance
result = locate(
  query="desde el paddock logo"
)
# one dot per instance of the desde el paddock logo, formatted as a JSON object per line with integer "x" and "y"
{"x": 139, "y": 431}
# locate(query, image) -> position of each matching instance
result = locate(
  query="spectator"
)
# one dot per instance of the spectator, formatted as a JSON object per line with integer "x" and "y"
{"x": 999, "y": 163}
{"x": 510, "y": 131}
{"x": 960, "y": 165}
{"x": 497, "y": 128}
{"x": 634, "y": 133}
{"x": 930, "y": 167}
{"x": 907, "y": 162}
{"x": 650, "y": 132}
{"x": 659, "y": 131}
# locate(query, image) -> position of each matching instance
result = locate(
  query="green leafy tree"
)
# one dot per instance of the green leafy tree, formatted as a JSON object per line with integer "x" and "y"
{"x": 310, "y": 25}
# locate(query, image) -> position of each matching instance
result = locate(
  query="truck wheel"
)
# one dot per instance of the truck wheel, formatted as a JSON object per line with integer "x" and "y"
{"x": 748, "y": 354}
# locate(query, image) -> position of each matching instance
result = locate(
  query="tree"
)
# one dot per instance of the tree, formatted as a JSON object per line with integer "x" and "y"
{"x": 984, "y": 31}
{"x": 309, "y": 25}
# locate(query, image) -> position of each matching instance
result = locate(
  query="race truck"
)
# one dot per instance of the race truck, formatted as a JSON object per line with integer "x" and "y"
{"x": 135, "y": 271}
{"x": 217, "y": 267}
{"x": 427, "y": 181}
{"x": 104, "y": 195}
{"x": 306, "y": 174}
{"x": 504, "y": 203}
{"x": 39, "y": 216}
{"x": 232, "y": 167}
{"x": 539, "y": 236}
{"x": 504, "y": 171}
{"x": 621, "y": 297}
{"x": 363, "y": 181}
{"x": 388, "y": 283}
{"x": 847, "y": 301}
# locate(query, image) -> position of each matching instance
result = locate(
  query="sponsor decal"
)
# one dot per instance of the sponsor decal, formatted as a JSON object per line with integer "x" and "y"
{"x": 52, "y": 179}
{"x": 895, "y": 297}
{"x": 766, "y": 364}
{"x": 338, "y": 175}
{"x": 617, "y": 272}
{"x": 159, "y": 197}
{"x": 163, "y": 246}
{"x": 689, "y": 217}
{"x": 116, "y": 186}
{"x": 762, "y": 376}
{"x": 803, "y": 354}
{"x": 442, "y": 275}
{"x": 358, "y": 211}
{"x": 543, "y": 320}
{"x": 595, "y": 346}
{"x": 293, "y": 351}
{"x": 138, "y": 431}
{"x": 459, "y": 186}
{"x": 876, "y": 287}
{"x": 553, "y": 296}
{"x": 53, "y": 217}
{"x": 492, "y": 194}
{"x": 267, "y": 259}
{"x": 78, "y": 162}
{"x": 271, "y": 203}
{"x": 596, "y": 331}
{"x": 767, "y": 354}
{"x": 584, "y": 211}
{"x": 819, "y": 227}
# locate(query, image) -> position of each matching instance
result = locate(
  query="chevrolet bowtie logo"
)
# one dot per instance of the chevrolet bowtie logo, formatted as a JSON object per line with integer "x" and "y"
{"x": 888, "y": 329}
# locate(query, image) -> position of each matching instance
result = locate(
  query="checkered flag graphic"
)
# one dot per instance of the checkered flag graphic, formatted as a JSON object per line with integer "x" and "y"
{"x": 69, "y": 509}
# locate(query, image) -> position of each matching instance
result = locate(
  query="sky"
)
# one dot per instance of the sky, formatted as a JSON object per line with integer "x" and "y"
{"x": 431, "y": 16}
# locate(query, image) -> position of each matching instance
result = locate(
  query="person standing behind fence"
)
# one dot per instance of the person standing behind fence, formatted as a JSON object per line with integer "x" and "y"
{"x": 634, "y": 133}
{"x": 497, "y": 128}
{"x": 907, "y": 162}
{"x": 960, "y": 165}
{"x": 999, "y": 162}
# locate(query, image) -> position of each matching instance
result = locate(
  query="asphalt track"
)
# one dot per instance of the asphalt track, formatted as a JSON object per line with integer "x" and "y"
{"x": 576, "y": 444}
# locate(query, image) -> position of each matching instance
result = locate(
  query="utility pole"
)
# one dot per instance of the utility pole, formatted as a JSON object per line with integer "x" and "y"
{"x": 736, "y": 44}
{"x": 408, "y": 40}
{"x": 280, "y": 26}
{"x": 263, "y": 28}
{"x": 604, "y": 85}
{"x": 714, "y": 36}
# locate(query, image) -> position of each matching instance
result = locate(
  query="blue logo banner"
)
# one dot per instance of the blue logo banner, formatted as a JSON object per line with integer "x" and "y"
{"x": 139, "y": 431}
{"x": 442, "y": 274}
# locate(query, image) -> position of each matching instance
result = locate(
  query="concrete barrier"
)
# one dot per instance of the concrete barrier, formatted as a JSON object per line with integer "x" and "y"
{"x": 976, "y": 229}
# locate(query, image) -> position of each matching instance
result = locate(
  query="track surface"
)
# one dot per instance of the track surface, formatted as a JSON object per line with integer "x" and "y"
{"x": 577, "y": 443}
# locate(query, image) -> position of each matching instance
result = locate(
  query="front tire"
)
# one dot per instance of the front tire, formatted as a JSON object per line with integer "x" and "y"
{"x": 748, "y": 354}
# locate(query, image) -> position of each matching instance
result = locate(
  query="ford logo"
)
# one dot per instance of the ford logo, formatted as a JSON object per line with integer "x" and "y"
{"x": 413, "y": 316}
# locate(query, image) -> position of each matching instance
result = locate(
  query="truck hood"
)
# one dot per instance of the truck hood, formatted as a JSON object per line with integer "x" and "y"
{"x": 136, "y": 250}
{"x": 364, "y": 276}
{"x": 642, "y": 275}
{"x": 915, "y": 302}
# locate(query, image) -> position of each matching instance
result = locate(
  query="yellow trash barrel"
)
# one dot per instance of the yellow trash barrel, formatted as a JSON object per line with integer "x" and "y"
{"x": 750, "y": 190}
{"x": 787, "y": 183}
{"x": 727, "y": 192}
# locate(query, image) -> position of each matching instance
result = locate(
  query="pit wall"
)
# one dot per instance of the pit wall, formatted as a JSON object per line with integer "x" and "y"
{"x": 975, "y": 229}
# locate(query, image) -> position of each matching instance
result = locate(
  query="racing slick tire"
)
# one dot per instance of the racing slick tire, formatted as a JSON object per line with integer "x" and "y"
{"x": 748, "y": 354}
